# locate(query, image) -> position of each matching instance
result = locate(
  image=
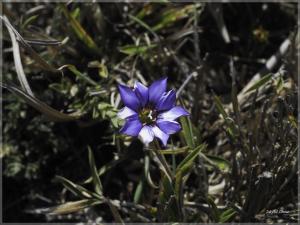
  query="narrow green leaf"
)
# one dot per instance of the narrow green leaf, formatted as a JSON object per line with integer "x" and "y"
{"x": 293, "y": 121}
{"x": 280, "y": 84}
{"x": 179, "y": 184}
{"x": 260, "y": 82}
{"x": 226, "y": 215}
{"x": 174, "y": 151}
{"x": 146, "y": 10}
{"x": 138, "y": 191}
{"x": 143, "y": 24}
{"x": 96, "y": 179}
{"x": 103, "y": 72}
{"x": 28, "y": 48}
{"x": 48, "y": 111}
{"x": 162, "y": 163}
{"x": 75, "y": 13}
{"x": 102, "y": 69}
{"x": 217, "y": 161}
{"x": 17, "y": 60}
{"x": 172, "y": 15}
{"x": 71, "y": 207}
{"x": 106, "y": 167}
{"x": 74, "y": 188}
{"x": 220, "y": 106}
{"x": 78, "y": 74}
{"x": 187, "y": 131}
{"x": 29, "y": 21}
{"x": 79, "y": 30}
{"x": 231, "y": 130}
{"x": 187, "y": 162}
{"x": 136, "y": 50}
{"x": 43, "y": 42}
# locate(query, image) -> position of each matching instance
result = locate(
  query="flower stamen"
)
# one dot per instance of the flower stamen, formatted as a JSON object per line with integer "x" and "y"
{"x": 150, "y": 115}
{"x": 147, "y": 116}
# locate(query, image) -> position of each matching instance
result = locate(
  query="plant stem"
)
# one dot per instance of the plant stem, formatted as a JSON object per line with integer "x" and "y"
{"x": 162, "y": 160}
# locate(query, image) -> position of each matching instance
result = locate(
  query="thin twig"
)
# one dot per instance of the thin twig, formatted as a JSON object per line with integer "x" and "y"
{"x": 187, "y": 80}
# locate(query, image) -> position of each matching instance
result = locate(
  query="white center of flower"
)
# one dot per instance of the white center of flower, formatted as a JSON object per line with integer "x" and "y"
{"x": 147, "y": 116}
{"x": 150, "y": 115}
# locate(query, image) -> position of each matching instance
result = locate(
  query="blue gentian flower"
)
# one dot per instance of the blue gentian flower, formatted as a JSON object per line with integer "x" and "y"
{"x": 150, "y": 112}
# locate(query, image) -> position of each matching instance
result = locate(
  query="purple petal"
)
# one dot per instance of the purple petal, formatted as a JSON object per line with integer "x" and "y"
{"x": 168, "y": 127}
{"x": 129, "y": 98}
{"x": 161, "y": 135}
{"x": 167, "y": 101}
{"x": 141, "y": 92}
{"x": 173, "y": 113}
{"x": 132, "y": 126}
{"x": 146, "y": 134}
{"x": 157, "y": 89}
{"x": 126, "y": 112}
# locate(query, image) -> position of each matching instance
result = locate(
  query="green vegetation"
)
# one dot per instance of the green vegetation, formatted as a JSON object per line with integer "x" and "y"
{"x": 234, "y": 66}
